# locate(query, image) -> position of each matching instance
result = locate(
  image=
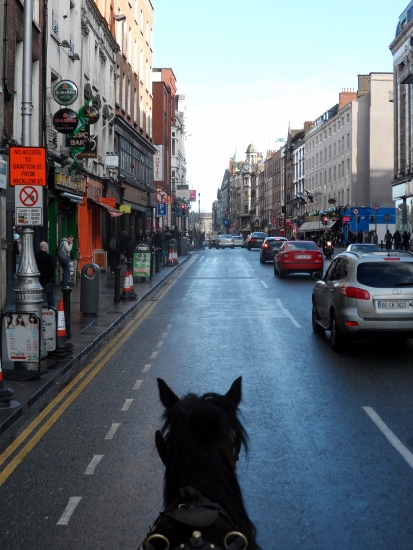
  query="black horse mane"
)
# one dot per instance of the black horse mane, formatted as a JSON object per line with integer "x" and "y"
{"x": 200, "y": 443}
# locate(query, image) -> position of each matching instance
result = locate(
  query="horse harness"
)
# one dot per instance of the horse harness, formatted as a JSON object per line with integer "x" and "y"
{"x": 192, "y": 516}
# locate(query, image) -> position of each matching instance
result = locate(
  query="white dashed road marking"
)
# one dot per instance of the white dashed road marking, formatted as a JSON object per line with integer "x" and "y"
{"x": 391, "y": 437}
{"x": 70, "y": 508}
{"x": 112, "y": 431}
{"x": 127, "y": 404}
{"x": 92, "y": 465}
{"x": 288, "y": 314}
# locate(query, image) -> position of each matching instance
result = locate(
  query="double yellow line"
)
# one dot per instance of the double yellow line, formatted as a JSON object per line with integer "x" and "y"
{"x": 66, "y": 397}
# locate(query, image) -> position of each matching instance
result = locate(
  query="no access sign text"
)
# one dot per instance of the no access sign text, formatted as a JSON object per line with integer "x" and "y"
{"x": 27, "y": 166}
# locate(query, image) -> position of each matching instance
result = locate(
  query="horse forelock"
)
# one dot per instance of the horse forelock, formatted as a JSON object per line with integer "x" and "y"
{"x": 204, "y": 421}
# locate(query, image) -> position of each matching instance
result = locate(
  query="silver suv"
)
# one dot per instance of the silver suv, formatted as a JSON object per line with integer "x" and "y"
{"x": 365, "y": 294}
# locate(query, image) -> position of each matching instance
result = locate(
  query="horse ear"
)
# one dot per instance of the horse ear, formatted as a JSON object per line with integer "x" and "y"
{"x": 161, "y": 446}
{"x": 234, "y": 393}
{"x": 166, "y": 395}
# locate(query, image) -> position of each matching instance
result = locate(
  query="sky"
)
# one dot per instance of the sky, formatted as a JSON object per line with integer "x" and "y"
{"x": 249, "y": 69}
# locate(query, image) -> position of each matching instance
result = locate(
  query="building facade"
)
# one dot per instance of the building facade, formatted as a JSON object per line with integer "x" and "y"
{"x": 402, "y": 96}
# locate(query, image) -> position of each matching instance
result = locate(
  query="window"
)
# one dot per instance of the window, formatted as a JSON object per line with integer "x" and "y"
{"x": 348, "y": 140}
{"x": 335, "y": 173}
{"x": 348, "y": 118}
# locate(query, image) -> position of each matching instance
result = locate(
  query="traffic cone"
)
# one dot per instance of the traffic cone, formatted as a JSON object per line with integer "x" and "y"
{"x": 133, "y": 295}
{"x": 175, "y": 256}
{"x": 126, "y": 286}
{"x": 6, "y": 394}
{"x": 64, "y": 347}
{"x": 170, "y": 257}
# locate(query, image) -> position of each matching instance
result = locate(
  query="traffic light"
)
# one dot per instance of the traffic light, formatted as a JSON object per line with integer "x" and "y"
{"x": 325, "y": 220}
{"x": 183, "y": 209}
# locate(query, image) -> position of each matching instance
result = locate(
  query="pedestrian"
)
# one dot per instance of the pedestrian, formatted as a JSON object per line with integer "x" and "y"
{"x": 397, "y": 239}
{"x": 201, "y": 240}
{"x": 63, "y": 255}
{"x": 124, "y": 239}
{"x": 46, "y": 267}
{"x": 406, "y": 240}
{"x": 113, "y": 249}
{"x": 359, "y": 236}
{"x": 129, "y": 250}
{"x": 388, "y": 239}
{"x": 141, "y": 236}
{"x": 17, "y": 248}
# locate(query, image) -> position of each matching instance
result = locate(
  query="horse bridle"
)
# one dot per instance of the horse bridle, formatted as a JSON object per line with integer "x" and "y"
{"x": 240, "y": 542}
{"x": 193, "y": 510}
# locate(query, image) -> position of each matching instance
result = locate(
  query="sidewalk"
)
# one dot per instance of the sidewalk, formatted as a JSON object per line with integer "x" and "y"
{"x": 86, "y": 332}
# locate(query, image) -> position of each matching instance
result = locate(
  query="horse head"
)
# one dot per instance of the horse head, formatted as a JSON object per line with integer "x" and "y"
{"x": 199, "y": 445}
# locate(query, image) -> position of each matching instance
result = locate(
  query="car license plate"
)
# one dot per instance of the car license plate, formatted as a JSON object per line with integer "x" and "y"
{"x": 392, "y": 305}
{"x": 303, "y": 256}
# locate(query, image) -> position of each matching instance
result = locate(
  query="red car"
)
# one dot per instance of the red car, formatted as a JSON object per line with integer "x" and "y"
{"x": 298, "y": 257}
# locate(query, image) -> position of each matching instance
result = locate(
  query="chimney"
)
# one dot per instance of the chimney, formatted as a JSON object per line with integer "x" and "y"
{"x": 345, "y": 97}
{"x": 363, "y": 85}
{"x": 308, "y": 125}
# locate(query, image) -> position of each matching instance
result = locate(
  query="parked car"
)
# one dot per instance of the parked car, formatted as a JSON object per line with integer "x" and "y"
{"x": 256, "y": 239}
{"x": 225, "y": 241}
{"x": 238, "y": 240}
{"x": 213, "y": 241}
{"x": 364, "y": 294}
{"x": 270, "y": 248}
{"x": 298, "y": 257}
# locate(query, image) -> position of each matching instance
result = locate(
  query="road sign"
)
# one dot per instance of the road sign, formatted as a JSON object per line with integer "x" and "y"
{"x": 355, "y": 211}
{"x": 161, "y": 196}
{"x": 27, "y": 166}
{"x": 28, "y": 201}
{"x": 376, "y": 206}
{"x": 161, "y": 209}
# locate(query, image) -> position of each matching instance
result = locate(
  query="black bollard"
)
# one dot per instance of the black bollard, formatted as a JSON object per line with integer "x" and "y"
{"x": 116, "y": 297}
{"x": 157, "y": 255}
{"x": 66, "y": 305}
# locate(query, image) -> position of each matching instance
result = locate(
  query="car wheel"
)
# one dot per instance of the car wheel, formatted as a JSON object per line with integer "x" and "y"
{"x": 232, "y": 247}
{"x": 248, "y": 248}
{"x": 261, "y": 260}
{"x": 337, "y": 337}
{"x": 281, "y": 273}
{"x": 318, "y": 329}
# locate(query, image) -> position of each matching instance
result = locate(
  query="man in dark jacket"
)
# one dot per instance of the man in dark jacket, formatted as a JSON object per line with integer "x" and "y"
{"x": 46, "y": 267}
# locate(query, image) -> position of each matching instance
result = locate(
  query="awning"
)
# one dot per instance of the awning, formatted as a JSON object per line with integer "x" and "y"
{"x": 316, "y": 226}
{"x": 114, "y": 212}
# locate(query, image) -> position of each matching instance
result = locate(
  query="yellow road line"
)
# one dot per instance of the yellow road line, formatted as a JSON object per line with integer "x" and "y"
{"x": 96, "y": 364}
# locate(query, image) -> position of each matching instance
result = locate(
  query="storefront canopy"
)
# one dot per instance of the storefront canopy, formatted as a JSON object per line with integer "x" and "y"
{"x": 316, "y": 226}
{"x": 114, "y": 212}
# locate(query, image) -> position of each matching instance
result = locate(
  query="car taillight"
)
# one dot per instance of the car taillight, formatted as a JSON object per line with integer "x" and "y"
{"x": 265, "y": 245}
{"x": 354, "y": 292}
{"x": 387, "y": 259}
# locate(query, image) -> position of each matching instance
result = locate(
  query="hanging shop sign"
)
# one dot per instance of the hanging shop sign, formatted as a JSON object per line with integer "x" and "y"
{"x": 91, "y": 113}
{"x": 65, "y": 92}
{"x": 65, "y": 121}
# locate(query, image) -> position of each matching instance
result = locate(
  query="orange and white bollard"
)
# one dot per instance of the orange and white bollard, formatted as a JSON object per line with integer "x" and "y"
{"x": 170, "y": 257}
{"x": 6, "y": 394}
{"x": 126, "y": 286}
{"x": 175, "y": 256}
{"x": 132, "y": 292}
{"x": 63, "y": 346}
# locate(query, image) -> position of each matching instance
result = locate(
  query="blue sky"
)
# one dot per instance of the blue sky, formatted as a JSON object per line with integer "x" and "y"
{"x": 248, "y": 69}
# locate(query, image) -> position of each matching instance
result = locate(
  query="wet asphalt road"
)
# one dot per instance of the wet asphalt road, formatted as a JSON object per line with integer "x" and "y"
{"x": 321, "y": 473}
